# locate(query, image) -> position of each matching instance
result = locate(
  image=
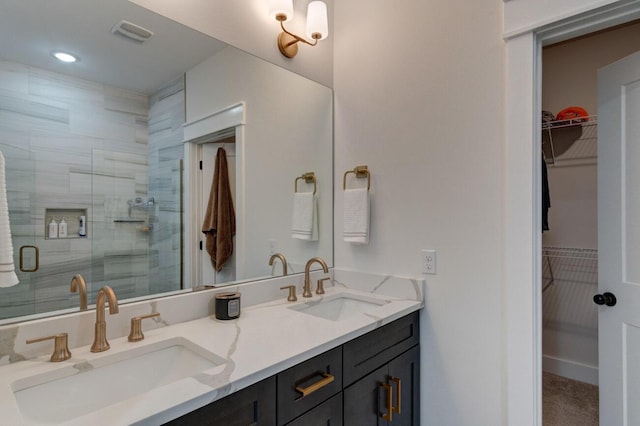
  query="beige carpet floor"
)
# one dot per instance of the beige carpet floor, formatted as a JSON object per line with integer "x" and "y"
{"x": 567, "y": 402}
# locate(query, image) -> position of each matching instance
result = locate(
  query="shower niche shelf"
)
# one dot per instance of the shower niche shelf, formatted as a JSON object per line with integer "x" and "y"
{"x": 71, "y": 216}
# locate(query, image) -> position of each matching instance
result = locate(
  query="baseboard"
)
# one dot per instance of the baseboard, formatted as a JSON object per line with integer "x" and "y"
{"x": 570, "y": 369}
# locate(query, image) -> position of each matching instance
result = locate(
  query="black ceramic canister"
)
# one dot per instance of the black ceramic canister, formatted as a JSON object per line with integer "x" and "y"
{"x": 227, "y": 306}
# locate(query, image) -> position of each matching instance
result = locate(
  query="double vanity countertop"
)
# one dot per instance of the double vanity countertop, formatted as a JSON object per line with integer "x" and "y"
{"x": 203, "y": 360}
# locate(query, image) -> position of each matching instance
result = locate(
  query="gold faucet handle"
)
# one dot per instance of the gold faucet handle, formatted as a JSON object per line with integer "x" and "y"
{"x": 60, "y": 349}
{"x": 135, "y": 335}
{"x": 292, "y": 292}
{"x": 320, "y": 288}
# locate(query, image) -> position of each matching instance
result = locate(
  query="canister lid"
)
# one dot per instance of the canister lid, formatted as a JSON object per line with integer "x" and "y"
{"x": 228, "y": 295}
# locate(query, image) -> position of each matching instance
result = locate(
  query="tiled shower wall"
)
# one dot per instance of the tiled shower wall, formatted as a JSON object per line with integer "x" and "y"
{"x": 166, "y": 152}
{"x": 70, "y": 144}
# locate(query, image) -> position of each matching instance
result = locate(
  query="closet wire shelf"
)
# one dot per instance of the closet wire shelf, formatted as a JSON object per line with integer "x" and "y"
{"x": 570, "y": 142}
{"x": 569, "y": 281}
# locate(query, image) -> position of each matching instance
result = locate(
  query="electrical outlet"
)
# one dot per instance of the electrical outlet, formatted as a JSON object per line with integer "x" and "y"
{"x": 428, "y": 261}
{"x": 272, "y": 246}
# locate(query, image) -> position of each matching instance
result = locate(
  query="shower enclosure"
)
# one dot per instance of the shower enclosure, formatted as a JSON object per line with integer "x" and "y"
{"x": 77, "y": 148}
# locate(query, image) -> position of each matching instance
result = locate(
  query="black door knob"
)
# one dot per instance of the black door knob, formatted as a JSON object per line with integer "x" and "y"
{"x": 606, "y": 298}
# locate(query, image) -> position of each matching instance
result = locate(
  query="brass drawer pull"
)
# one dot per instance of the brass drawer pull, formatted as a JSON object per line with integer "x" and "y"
{"x": 22, "y": 259}
{"x": 398, "y": 394}
{"x": 326, "y": 379}
{"x": 388, "y": 416}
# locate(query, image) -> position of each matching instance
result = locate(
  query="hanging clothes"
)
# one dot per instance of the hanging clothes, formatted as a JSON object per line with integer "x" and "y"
{"x": 546, "y": 198}
{"x": 220, "y": 219}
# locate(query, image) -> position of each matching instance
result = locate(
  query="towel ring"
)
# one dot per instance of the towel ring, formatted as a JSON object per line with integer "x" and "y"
{"x": 309, "y": 177}
{"x": 360, "y": 172}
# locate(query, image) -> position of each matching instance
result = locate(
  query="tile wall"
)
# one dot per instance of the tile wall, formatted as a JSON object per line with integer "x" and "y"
{"x": 76, "y": 144}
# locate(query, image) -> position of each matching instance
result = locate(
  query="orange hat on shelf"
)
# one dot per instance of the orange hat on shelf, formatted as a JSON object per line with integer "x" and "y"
{"x": 572, "y": 113}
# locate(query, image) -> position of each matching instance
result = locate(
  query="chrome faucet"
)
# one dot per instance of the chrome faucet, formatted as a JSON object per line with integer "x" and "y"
{"x": 307, "y": 280}
{"x": 78, "y": 285}
{"x": 100, "y": 340}
{"x": 282, "y": 259}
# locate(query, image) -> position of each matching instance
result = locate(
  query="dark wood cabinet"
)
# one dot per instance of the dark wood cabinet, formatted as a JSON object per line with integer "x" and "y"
{"x": 329, "y": 413}
{"x": 387, "y": 396}
{"x": 255, "y": 405}
{"x": 302, "y": 387}
{"x": 371, "y": 380}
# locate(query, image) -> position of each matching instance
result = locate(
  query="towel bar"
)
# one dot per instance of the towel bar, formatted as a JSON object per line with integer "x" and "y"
{"x": 360, "y": 172}
{"x": 309, "y": 177}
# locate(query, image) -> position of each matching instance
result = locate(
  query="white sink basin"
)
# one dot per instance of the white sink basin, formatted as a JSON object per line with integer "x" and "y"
{"x": 65, "y": 394}
{"x": 337, "y": 307}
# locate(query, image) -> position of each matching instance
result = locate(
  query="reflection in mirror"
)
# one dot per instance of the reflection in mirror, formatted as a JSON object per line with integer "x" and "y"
{"x": 100, "y": 145}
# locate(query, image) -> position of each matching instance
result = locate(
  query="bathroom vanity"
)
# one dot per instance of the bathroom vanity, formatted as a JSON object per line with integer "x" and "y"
{"x": 373, "y": 379}
{"x": 351, "y": 352}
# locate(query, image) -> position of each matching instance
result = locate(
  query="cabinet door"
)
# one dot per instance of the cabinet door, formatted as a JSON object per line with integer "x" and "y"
{"x": 327, "y": 413}
{"x": 255, "y": 405}
{"x": 392, "y": 392}
{"x": 366, "y": 401}
{"x": 404, "y": 375}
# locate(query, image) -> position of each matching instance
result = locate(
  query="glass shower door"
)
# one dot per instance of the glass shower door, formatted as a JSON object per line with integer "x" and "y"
{"x": 19, "y": 300}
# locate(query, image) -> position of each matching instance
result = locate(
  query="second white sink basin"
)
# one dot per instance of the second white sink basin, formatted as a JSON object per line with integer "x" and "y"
{"x": 337, "y": 307}
{"x": 84, "y": 387}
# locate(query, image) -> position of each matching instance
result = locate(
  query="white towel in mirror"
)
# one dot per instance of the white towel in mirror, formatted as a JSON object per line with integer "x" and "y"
{"x": 8, "y": 275}
{"x": 305, "y": 216}
{"x": 356, "y": 216}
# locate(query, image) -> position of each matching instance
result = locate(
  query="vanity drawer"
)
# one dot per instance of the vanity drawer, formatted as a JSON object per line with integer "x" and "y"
{"x": 327, "y": 413}
{"x": 368, "y": 352}
{"x": 254, "y": 405}
{"x": 318, "y": 378}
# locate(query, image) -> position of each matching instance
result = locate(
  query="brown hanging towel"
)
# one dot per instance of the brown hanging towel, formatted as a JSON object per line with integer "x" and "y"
{"x": 219, "y": 224}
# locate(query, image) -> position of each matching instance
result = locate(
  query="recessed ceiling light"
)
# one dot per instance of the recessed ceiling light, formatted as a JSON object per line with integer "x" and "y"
{"x": 64, "y": 57}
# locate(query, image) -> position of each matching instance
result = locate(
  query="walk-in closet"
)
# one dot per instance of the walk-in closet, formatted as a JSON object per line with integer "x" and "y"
{"x": 570, "y": 244}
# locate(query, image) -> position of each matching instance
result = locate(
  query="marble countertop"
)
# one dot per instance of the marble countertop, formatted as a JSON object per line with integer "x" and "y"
{"x": 266, "y": 339}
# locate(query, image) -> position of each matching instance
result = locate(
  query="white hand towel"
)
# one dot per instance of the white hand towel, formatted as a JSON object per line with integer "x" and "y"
{"x": 305, "y": 216}
{"x": 8, "y": 275}
{"x": 356, "y": 216}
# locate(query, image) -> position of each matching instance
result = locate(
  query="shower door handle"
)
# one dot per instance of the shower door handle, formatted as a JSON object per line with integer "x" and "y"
{"x": 605, "y": 298}
{"x": 37, "y": 253}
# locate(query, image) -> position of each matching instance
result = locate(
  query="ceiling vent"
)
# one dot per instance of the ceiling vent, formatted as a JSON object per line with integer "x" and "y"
{"x": 132, "y": 31}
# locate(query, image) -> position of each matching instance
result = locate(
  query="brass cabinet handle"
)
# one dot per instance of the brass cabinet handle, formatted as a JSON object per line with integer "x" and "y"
{"x": 37, "y": 259}
{"x": 388, "y": 416}
{"x": 398, "y": 394}
{"x": 326, "y": 379}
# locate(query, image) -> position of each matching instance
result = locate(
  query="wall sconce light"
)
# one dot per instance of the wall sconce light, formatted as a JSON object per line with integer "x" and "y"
{"x": 317, "y": 25}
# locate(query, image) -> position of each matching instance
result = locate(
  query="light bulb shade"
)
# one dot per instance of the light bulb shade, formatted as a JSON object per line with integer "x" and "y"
{"x": 317, "y": 24}
{"x": 281, "y": 7}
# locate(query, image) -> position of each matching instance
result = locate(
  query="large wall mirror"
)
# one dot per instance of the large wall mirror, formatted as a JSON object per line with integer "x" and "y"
{"x": 100, "y": 144}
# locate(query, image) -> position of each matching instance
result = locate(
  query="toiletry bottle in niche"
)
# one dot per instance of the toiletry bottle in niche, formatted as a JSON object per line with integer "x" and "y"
{"x": 62, "y": 229}
{"x": 82, "y": 228}
{"x": 53, "y": 228}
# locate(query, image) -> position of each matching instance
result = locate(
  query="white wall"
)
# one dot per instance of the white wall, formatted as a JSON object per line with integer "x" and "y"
{"x": 288, "y": 132}
{"x": 422, "y": 106}
{"x": 246, "y": 25}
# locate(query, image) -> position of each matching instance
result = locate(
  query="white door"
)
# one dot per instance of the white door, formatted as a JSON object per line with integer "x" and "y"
{"x": 619, "y": 241}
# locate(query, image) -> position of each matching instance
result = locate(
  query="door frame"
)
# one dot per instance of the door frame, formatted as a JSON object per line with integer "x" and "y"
{"x": 523, "y": 233}
{"x": 214, "y": 127}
